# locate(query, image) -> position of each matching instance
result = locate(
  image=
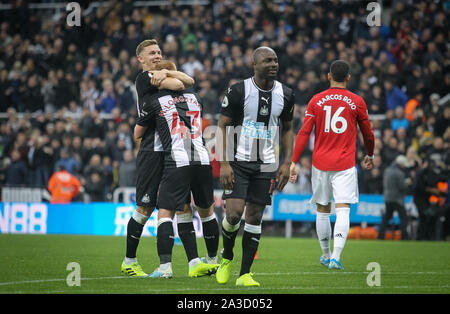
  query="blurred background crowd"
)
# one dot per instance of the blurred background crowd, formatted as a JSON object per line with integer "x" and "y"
{"x": 67, "y": 93}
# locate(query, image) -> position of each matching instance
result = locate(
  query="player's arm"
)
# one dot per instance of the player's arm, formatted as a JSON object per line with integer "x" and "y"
{"x": 159, "y": 76}
{"x": 183, "y": 77}
{"x": 226, "y": 172}
{"x": 139, "y": 131}
{"x": 230, "y": 104}
{"x": 368, "y": 137}
{"x": 146, "y": 118}
{"x": 287, "y": 140}
{"x": 172, "y": 84}
{"x": 302, "y": 140}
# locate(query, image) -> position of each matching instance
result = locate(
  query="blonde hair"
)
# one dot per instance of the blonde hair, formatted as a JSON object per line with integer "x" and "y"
{"x": 166, "y": 64}
{"x": 145, "y": 43}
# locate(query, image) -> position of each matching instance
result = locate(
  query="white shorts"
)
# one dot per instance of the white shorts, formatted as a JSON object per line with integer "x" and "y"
{"x": 340, "y": 185}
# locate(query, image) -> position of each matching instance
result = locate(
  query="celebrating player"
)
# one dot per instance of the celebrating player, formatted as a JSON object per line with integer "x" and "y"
{"x": 335, "y": 114}
{"x": 178, "y": 119}
{"x": 254, "y": 108}
{"x": 150, "y": 150}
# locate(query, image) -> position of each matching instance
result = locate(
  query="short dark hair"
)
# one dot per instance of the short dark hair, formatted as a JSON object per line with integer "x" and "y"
{"x": 339, "y": 70}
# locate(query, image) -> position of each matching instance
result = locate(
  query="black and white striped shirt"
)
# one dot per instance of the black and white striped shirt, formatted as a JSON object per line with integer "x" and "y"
{"x": 150, "y": 139}
{"x": 256, "y": 116}
{"x": 178, "y": 117}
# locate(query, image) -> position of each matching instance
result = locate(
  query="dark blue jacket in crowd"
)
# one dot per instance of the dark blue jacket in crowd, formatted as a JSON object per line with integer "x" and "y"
{"x": 17, "y": 173}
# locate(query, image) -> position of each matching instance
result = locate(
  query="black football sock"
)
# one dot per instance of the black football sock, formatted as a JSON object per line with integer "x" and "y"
{"x": 186, "y": 232}
{"x": 134, "y": 232}
{"x": 229, "y": 233}
{"x": 165, "y": 240}
{"x": 250, "y": 242}
{"x": 211, "y": 235}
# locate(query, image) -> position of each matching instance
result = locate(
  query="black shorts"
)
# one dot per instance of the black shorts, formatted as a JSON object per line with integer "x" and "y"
{"x": 251, "y": 184}
{"x": 149, "y": 169}
{"x": 178, "y": 183}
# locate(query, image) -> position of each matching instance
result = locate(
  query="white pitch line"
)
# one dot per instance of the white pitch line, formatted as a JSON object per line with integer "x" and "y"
{"x": 259, "y": 274}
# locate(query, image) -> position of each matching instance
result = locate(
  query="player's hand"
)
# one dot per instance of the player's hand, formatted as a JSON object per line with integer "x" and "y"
{"x": 293, "y": 174}
{"x": 226, "y": 176}
{"x": 283, "y": 176}
{"x": 367, "y": 163}
{"x": 158, "y": 77}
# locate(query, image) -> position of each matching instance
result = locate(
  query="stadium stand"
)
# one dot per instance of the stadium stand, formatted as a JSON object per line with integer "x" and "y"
{"x": 67, "y": 92}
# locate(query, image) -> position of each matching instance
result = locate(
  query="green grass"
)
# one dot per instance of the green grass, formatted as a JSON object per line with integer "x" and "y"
{"x": 37, "y": 264}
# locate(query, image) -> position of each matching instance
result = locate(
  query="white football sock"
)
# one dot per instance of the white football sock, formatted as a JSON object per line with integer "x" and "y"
{"x": 129, "y": 261}
{"x": 165, "y": 266}
{"x": 323, "y": 229}
{"x": 194, "y": 262}
{"x": 341, "y": 228}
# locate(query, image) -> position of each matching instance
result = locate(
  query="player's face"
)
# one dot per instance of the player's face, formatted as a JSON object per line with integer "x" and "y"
{"x": 267, "y": 64}
{"x": 150, "y": 56}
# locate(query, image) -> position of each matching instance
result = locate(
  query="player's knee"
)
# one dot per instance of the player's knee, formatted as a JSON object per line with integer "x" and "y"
{"x": 233, "y": 218}
{"x": 254, "y": 219}
{"x": 184, "y": 217}
{"x": 146, "y": 211}
{"x": 165, "y": 213}
{"x": 323, "y": 208}
{"x": 205, "y": 212}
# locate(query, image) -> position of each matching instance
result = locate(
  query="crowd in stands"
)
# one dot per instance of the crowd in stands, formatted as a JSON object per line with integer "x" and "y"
{"x": 57, "y": 80}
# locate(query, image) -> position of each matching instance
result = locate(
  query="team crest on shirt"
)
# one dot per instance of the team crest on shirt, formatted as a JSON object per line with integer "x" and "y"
{"x": 145, "y": 199}
{"x": 264, "y": 111}
{"x": 225, "y": 102}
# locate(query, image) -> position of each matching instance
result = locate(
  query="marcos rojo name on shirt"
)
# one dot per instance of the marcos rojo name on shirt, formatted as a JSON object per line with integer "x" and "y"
{"x": 346, "y": 99}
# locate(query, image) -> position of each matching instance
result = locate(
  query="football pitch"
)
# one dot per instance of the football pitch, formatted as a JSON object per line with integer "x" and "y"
{"x": 39, "y": 264}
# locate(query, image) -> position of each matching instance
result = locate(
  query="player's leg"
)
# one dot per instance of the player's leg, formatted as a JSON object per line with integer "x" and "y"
{"x": 172, "y": 196}
{"x": 164, "y": 244}
{"x": 147, "y": 184}
{"x": 230, "y": 228}
{"x": 211, "y": 233}
{"x": 389, "y": 211}
{"x": 135, "y": 226}
{"x": 345, "y": 191}
{"x": 259, "y": 196}
{"x": 186, "y": 231}
{"x": 322, "y": 196}
{"x": 323, "y": 230}
{"x": 203, "y": 192}
{"x": 234, "y": 208}
{"x": 250, "y": 242}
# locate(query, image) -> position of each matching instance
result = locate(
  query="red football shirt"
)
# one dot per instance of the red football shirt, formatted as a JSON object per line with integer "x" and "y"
{"x": 335, "y": 114}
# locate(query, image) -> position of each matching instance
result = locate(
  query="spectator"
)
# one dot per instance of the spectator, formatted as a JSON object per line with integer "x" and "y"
{"x": 399, "y": 120}
{"x": 93, "y": 166}
{"x": 127, "y": 170}
{"x": 394, "y": 95}
{"x": 70, "y": 164}
{"x": 94, "y": 188}
{"x": 108, "y": 99}
{"x": 395, "y": 185}
{"x": 63, "y": 186}
{"x": 17, "y": 172}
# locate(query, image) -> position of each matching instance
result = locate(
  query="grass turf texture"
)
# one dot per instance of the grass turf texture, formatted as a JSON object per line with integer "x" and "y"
{"x": 37, "y": 264}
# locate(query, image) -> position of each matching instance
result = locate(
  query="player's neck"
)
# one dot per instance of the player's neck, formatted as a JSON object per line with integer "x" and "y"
{"x": 334, "y": 84}
{"x": 264, "y": 83}
{"x": 147, "y": 68}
